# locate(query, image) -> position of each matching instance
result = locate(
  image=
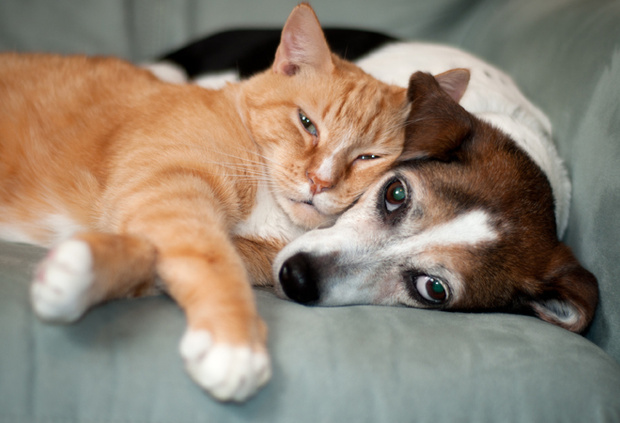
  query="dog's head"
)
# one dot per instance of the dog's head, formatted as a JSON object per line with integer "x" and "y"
{"x": 466, "y": 224}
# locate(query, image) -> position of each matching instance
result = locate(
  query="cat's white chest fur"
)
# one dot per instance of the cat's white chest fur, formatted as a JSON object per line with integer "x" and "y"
{"x": 267, "y": 219}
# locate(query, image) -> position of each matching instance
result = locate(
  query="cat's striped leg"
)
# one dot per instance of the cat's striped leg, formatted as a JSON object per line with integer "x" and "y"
{"x": 88, "y": 269}
{"x": 224, "y": 345}
{"x": 188, "y": 218}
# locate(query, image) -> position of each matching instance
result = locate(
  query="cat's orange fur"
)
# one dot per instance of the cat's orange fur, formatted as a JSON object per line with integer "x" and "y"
{"x": 162, "y": 183}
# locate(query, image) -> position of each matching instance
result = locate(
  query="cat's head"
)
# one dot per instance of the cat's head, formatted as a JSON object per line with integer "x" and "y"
{"x": 325, "y": 128}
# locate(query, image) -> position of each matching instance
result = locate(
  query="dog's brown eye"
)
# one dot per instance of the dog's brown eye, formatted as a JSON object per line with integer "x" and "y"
{"x": 431, "y": 289}
{"x": 395, "y": 196}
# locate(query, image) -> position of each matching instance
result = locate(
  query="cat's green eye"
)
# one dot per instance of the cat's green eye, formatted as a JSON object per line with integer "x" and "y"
{"x": 307, "y": 124}
{"x": 368, "y": 157}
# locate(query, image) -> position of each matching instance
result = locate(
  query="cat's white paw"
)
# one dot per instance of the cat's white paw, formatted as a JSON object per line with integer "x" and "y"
{"x": 60, "y": 291}
{"x": 226, "y": 372}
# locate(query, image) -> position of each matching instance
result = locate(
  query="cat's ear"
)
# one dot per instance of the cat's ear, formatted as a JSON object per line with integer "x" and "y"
{"x": 302, "y": 44}
{"x": 454, "y": 82}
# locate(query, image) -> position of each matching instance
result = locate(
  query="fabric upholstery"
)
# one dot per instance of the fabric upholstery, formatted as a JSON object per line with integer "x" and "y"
{"x": 364, "y": 363}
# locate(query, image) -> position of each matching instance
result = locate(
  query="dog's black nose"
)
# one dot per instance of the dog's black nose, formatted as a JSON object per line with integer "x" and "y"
{"x": 299, "y": 279}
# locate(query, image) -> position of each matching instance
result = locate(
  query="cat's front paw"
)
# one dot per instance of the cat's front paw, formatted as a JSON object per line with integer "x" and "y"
{"x": 229, "y": 373}
{"x": 61, "y": 290}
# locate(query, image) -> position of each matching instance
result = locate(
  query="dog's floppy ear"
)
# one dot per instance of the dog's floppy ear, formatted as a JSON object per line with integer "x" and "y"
{"x": 437, "y": 125}
{"x": 570, "y": 292}
{"x": 302, "y": 44}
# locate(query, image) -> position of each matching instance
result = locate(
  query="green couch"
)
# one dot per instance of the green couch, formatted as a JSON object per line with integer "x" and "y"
{"x": 351, "y": 364}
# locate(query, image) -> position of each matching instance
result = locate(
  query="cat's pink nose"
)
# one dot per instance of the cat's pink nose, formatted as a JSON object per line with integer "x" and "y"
{"x": 318, "y": 185}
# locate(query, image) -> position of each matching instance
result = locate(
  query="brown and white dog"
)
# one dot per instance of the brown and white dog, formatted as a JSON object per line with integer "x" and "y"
{"x": 472, "y": 222}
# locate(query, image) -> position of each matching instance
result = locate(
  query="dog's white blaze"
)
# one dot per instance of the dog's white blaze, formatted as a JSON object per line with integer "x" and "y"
{"x": 470, "y": 228}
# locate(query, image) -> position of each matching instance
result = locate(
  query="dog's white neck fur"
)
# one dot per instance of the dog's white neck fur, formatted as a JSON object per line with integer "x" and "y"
{"x": 491, "y": 95}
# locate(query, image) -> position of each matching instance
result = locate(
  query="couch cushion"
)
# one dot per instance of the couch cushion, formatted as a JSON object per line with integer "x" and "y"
{"x": 369, "y": 364}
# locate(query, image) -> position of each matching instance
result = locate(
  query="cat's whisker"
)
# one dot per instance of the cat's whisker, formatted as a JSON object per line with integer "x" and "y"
{"x": 269, "y": 159}
{"x": 408, "y": 122}
{"x": 249, "y": 160}
{"x": 254, "y": 170}
{"x": 240, "y": 171}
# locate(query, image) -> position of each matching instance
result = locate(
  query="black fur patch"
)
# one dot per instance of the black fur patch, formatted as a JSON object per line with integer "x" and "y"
{"x": 252, "y": 50}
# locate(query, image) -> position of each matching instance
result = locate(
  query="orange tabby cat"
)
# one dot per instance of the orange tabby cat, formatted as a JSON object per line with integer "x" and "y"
{"x": 143, "y": 185}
